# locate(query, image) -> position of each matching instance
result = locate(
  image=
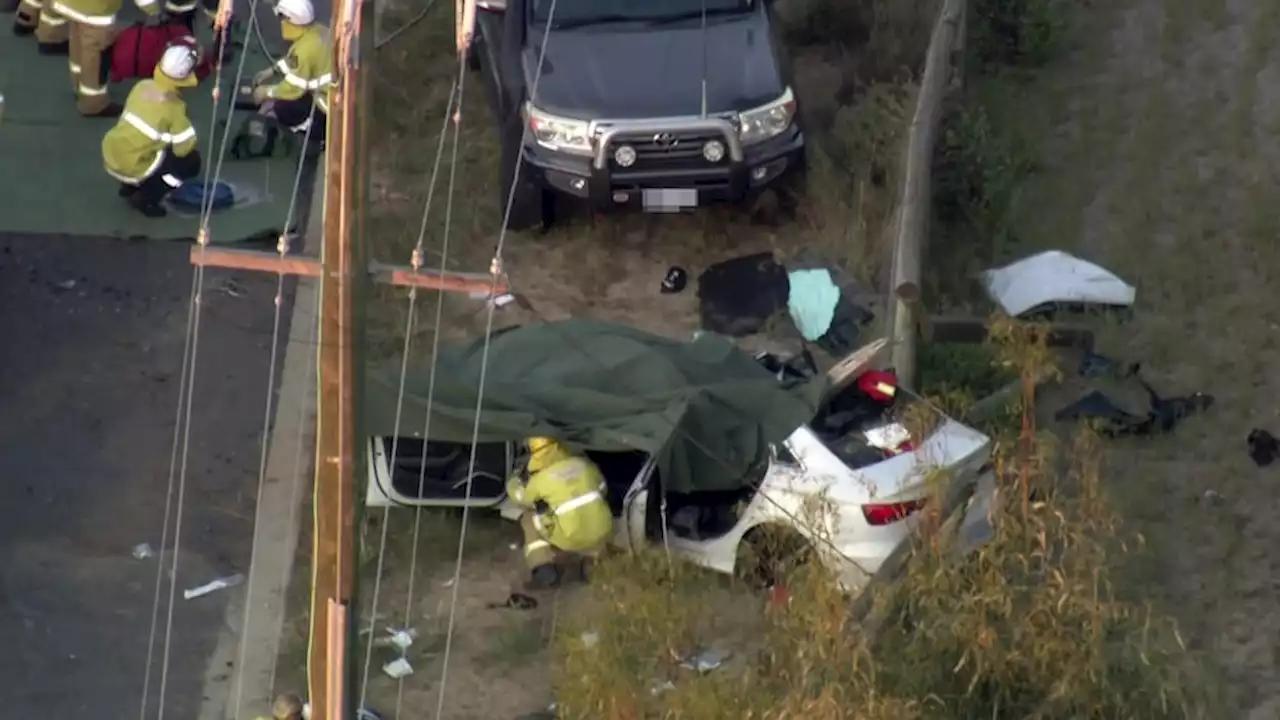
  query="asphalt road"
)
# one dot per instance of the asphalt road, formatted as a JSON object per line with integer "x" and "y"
{"x": 91, "y": 340}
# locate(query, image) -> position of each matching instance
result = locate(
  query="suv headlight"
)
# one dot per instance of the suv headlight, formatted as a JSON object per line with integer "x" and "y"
{"x": 767, "y": 121}
{"x": 558, "y": 133}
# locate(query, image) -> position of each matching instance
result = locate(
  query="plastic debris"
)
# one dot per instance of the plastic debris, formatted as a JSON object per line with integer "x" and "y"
{"x": 1264, "y": 448}
{"x": 221, "y": 583}
{"x": 706, "y": 660}
{"x": 397, "y": 638}
{"x": 590, "y": 638}
{"x": 398, "y": 668}
{"x": 812, "y": 302}
{"x": 142, "y": 551}
{"x": 1054, "y": 277}
{"x": 662, "y": 687}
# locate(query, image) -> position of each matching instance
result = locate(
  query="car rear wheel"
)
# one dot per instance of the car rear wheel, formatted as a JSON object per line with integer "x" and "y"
{"x": 770, "y": 555}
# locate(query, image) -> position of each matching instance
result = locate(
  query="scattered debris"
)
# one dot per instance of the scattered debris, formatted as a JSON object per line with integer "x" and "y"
{"x": 221, "y": 583}
{"x": 589, "y": 639}
{"x": 1051, "y": 278}
{"x": 1094, "y": 365}
{"x": 398, "y": 668}
{"x": 739, "y": 295}
{"x": 515, "y": 601}
{"x": 675, "y": 280}
{"x": 706, "y": 660}
{"x": 1113, "y": 421}
{"x": 397, "y": 638}
{"x": 142, "y": 551}
{"x": 1213, "y": 497}
{"x": 812, "y": 301}
{"x": 662, "y": 687}
{"x": 1264, "y": 448}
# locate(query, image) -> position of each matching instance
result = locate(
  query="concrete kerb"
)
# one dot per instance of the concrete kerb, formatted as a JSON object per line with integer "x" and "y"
{"x": 275, "y": 537}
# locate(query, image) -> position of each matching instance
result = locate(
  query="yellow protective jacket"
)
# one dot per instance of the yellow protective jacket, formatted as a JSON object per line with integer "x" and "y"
{"x": 100, "y": 12}
{"x": 154, "y": 120}
{"x": 307, "y": 68}
{"x": 575, "y": 513}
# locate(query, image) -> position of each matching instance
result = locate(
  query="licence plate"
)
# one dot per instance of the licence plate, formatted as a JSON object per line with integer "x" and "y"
{"x": 669, "y": 200}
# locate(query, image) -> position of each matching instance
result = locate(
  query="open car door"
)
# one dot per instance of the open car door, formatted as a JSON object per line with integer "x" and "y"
{"x": 435, "y": 474}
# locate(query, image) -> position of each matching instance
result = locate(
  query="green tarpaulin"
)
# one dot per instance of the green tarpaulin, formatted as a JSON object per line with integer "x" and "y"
{"x": 707, "y": 410}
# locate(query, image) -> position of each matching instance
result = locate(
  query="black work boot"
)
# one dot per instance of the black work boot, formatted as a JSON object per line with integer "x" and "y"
{"x": 57, "y": 48}
{"x": 112, "y": 110}
{"x": 544, "y": 577}
{"x": 150, "y": 208}
{"x": 23, "y": 30}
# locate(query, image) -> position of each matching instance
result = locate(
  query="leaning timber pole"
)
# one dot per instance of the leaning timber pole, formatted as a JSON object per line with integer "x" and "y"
{"x": 343, "y": 273}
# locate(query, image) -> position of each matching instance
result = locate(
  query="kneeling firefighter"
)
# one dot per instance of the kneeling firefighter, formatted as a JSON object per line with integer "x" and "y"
{"x": 301, "y": 98}
{"x": 567, "y": 508}
{"x": 152, "y": 148}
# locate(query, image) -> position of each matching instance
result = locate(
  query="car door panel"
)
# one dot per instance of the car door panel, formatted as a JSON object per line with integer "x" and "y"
{"x": 436, "y": 474}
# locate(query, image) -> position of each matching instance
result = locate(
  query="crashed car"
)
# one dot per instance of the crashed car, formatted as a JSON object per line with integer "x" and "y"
{"x": 702, "y": 447}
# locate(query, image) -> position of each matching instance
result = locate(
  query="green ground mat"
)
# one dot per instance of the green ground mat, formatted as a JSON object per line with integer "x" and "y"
{"x": 51, "y": 176}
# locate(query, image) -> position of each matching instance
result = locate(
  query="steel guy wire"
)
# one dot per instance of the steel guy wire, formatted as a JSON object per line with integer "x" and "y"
{"x": 168, "y": 501}
{"x": 202, "y": 239}
{"x": 283, "y": 249}
{"x": 379, "y": 43}
{"x": 497, "y": 269}
{"x": 455, "y": 100}
{"x": 435, "y": 353}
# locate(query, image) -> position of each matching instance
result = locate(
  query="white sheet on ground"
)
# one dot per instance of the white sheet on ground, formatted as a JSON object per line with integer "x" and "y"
{"x": 1054, "y": 277}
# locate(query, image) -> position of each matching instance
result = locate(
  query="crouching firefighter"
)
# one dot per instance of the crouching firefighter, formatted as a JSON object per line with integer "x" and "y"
{"x": 566, "y": 509}
{"x": 300, "y": 100}
{"x": 152, "y": 148}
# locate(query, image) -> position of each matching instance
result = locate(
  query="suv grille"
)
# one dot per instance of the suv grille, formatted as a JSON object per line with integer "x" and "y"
{"x": 682, "y": 151}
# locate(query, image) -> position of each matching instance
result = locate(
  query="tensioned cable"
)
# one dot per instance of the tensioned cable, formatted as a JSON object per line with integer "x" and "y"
{"x": 431, "y": 381}
{"x": 202, "y": 239}
{"x": 484, "y": 369}
{"x": 282, "y": 247}
{"x": 380, "y": 42}
{"x": 416, "y": 262}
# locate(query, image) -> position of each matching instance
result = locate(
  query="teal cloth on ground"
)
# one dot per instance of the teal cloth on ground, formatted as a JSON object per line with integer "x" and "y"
{"x": 812, "y": 302}
{"x": 52, "y": 181}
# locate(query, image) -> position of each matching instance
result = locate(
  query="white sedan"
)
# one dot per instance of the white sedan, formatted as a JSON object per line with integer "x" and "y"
{"x": 854, "y": 460}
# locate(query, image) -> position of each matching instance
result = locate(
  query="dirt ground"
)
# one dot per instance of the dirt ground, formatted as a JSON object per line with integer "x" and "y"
{"x": 1157, "y": 137}
{"x": 605, "y": 268}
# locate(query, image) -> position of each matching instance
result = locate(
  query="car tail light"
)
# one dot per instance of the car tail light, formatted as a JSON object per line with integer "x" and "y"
{"x": 878, "y": 514}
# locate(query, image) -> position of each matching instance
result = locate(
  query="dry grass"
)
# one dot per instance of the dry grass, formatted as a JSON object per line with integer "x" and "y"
{"x": 852, "y": 74}
{"x": 1028, "y": 627}
{"x": 1148, "y": 146}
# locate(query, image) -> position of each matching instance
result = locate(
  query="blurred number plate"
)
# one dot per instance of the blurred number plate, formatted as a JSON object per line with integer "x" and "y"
{"x": 670, "y": 200}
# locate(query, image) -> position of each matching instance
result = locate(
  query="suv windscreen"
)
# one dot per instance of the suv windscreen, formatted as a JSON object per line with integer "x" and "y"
{"x": 579, "y": 13}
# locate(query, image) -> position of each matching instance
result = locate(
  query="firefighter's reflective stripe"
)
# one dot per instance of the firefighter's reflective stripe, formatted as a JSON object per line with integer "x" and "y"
{"x": 322, "y": 102}
{"x": 95, "y": 20}
{"x": 536, "y": 545}
{"x": 582, "y": 500}
{"x": 305, "y": 84}
{"x": 144, "y": 4}
{"x": 33, "y": 4}
{"x": 143, "y": 127}
{"x": 52, "y": 20}
{"x": 90, "y": 91}
{"x": 886, "y": 388}
{"x": 155, "y": 164}
{"x": 171, "y": 180}
{"x": 177, "y": 7}
{"x": 75, "y": 69}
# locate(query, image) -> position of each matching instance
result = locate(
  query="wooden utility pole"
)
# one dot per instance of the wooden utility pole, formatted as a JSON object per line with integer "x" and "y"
{"x": 343, "y": 270}
{"x": 337, "y": 439}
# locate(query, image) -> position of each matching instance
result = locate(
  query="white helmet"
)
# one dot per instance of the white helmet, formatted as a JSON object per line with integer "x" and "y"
{"x": 298, "y": 12}
{"x": 178, "y": 61}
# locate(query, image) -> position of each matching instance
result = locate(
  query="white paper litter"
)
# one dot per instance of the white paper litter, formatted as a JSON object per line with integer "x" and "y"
{"x": 220, "y": 584}
{"x": 1054, "y": 277}
{"x": 398, "y": 668}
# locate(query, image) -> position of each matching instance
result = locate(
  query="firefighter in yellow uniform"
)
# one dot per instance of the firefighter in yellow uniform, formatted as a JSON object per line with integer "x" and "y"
{"x": 50, "y": 28}
{"x": 300, "y": 99}
{"x": 152, "y": 148}
{"x": 92, "y": 30}
{"x": 566, "y": 508}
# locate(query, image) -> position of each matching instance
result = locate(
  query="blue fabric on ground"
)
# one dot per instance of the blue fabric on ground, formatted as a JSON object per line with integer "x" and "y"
{"x": 812, "y": 302}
